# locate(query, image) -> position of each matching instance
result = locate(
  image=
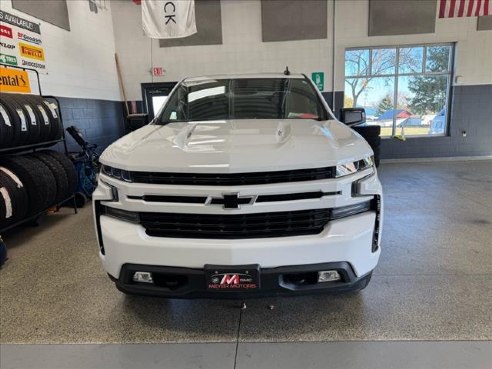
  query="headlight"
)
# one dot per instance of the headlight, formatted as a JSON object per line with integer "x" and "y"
{"x": 354, "y": 167}
{"x": 122, "y": 175}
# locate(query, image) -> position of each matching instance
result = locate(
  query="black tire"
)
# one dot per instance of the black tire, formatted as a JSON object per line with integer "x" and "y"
{"x": 6, "y": 128}
{"x": 69, "y": 169}
{"x": 3, "y": 253}
{"x": 56, "y": 126}
{"x": 21, "y": 127}
{"x": 3, "y": 127}
{"x": 17, "y": 192}
{"x": 37, "y": 179}
{"x": 49, "y": 178}
{"x": 3, "y": 206}
{"x": 59, "y": 174}
{"x": 29, "y": 112}
{"x": 43, "y": 120}
{"x": 50, "y": 125}
{"x": 368, "y": 131}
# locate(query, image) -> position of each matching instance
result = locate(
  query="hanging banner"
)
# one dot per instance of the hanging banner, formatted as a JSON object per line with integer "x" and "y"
{"x": 21, "y": 43}
{"x": 14, "y": 80}
{"x": 168, "y": 19}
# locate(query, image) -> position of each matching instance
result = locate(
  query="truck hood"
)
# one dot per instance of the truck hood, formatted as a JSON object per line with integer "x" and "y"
{"x": 232, "y": 146}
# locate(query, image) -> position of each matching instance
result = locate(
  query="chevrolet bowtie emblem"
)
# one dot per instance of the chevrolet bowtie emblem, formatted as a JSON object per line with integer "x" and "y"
{"x": 231, "y": 200}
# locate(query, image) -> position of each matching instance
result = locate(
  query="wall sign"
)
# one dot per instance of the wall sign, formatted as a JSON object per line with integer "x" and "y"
{"x": 21, "y": 43}
{"x": 14, "y": 80}
{"x": 8, "y": 59}
{"x": 319, "y": 80}
{"x": 158, "y": 71}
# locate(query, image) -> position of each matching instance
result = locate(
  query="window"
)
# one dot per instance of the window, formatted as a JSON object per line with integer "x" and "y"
{"x": 155, "y": 95}
{"x": 243, "y": 98}
{"x": 158, "y": 103}
{"x": 405, "y": 90}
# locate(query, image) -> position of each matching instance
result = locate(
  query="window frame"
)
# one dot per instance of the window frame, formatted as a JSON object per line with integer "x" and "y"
{"x": 449, "y": 73}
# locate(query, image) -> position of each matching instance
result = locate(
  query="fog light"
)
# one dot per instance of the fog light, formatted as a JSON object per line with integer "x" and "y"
{"x": 328, "y": 276}
{"x": 143, "y": 277}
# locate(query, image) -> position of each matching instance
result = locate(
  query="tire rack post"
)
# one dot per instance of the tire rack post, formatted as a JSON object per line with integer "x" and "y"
{"x": 33, "y": 147}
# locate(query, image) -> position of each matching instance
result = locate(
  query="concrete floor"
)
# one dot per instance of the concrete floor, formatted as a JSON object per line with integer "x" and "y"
{"x": 433, "y": 281}
{"x": 312, "y": 355}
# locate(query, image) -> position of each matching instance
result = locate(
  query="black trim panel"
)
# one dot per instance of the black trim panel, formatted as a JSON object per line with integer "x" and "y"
{"x": 191, "y": 283}
{"x": 296, "y": 196}
{"x": 235, "y": 226}
{"x": 234, "y": 179}
{"x": 98, "y": 209}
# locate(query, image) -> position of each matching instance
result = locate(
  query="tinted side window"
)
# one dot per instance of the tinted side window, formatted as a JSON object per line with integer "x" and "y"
{"x": 302, "y": 102}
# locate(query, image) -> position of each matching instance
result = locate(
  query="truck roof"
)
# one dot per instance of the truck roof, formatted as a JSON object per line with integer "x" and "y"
{"x": 246, "y": 76}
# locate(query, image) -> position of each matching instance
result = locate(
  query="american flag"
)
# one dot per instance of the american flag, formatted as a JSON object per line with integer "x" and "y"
{"x": 464, "y": 8}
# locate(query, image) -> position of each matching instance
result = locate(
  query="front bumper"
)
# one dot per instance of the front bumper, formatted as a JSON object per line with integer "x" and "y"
{"x": 191, "y": 283}
{"x": 353, "y": 241}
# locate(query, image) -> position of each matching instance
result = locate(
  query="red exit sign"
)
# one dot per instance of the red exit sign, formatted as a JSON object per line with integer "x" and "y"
{"x": 158, "y": 71}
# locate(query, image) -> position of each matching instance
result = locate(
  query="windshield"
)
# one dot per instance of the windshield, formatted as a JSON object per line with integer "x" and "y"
{"x": 243, "y": 98}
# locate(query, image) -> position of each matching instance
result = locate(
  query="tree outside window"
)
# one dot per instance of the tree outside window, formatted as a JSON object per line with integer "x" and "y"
{"x": 405, "y": 90}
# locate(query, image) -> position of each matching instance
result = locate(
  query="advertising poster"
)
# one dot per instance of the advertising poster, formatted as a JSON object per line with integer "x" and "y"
{"x": 21, "y": 43}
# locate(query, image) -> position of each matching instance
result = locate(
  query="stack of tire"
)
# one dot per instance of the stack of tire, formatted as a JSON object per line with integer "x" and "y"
{"x": 372, "y": 135}
{"x": 30, "y": 184}
{"x": 27, "y": 120}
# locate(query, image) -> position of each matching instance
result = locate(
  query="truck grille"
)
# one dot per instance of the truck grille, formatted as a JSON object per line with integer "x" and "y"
{"x": 257, "y": 225}
{"x": 234, "y": 179}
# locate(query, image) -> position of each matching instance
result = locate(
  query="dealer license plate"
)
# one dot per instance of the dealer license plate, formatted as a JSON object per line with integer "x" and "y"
{"x": 241, "y": 278}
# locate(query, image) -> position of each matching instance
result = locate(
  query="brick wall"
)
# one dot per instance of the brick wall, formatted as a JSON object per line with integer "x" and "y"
{"x": 101, "y": 121}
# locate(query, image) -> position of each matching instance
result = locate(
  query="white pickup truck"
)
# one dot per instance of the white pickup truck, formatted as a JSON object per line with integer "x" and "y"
{"x": 243, "y": 185}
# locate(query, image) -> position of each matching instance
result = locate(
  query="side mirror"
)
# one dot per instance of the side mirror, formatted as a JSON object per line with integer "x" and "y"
{"x": 136, "y": 121}
{"x": 352, "y": 116}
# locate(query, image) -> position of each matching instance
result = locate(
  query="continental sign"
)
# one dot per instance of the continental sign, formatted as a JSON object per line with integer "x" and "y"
{"x": 8, "y": 59}
{"x": 14, "y": 81}
{"x": 31, "y": 52}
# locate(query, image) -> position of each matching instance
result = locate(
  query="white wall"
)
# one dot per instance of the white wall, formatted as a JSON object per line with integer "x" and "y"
{"x": 243, "y": 51}
{"x": 80, "y": 62}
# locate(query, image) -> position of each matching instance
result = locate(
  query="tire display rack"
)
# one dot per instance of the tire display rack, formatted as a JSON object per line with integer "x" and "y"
{"x": 33, "y": 149}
